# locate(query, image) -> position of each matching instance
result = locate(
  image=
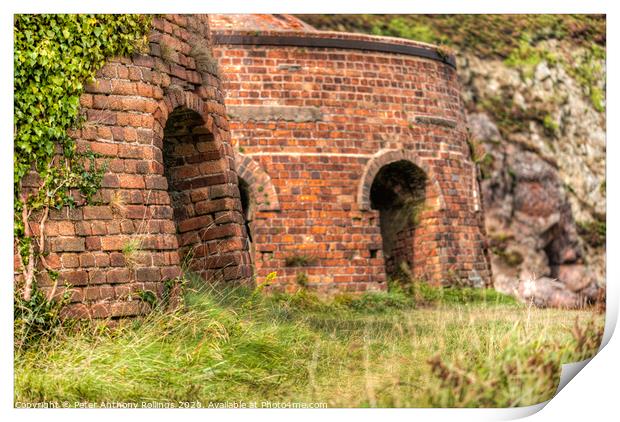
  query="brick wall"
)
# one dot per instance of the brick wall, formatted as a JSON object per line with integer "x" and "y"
{"x": 319, "y": 123}
{"x": 171, "y": 185}
{"x": 311, "y": 127}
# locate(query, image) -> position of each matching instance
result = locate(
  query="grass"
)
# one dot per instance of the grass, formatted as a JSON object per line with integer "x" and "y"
{"x": 451, "y": 347}
{"x": 131, "y": 251}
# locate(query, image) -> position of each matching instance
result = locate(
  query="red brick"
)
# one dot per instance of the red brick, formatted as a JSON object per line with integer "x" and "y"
{"x": 76, "y": 310}
{"x": 148, "y": 274}
{"x": 66, "y": 228}
{"x": 93, "y": 243}
{"x": 75, "y": 278}
{"x": 68, "y": 244}
{"x": 156, "y": 182}
{"x": 98, "y": 228}
{"x": 118, "y": 275}
{"x": 102, "y": 260}
{"x": 117, "y": 259}
{"x": 86, "y": 260}
{"x": 104, "y": 148}
{"x": 52, "y": 260}
{"x": 97, "y": 213}
{"x": 70, "y": 260}
{"x": 131, "y": 181}
{"x": 113, "y": 243}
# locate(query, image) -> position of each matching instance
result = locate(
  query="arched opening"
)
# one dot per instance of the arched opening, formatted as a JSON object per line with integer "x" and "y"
{"x": 193, "y": 165}
{"x": 398, "y": 192}
{"x": 247, "y": 209}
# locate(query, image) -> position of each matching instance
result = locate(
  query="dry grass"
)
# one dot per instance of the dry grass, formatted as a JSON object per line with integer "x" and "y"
{"x": 374, "y": 350}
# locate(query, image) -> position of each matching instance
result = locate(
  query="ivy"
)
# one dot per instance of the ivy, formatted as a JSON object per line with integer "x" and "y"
{"x": 54, "y": 57}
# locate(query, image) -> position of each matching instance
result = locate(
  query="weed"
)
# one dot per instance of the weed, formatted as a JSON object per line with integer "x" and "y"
{"x": 148, "y": 296}
{"x": 205, "y": 62}
{"x": 527, "y": 56}
{"x": 301, "y": 279}
{"x": 487, "y": 36}
{"x": 300, "y": 261}
{"x": 131, "y": 251}
{"x": 37, "y": 318}
{"x": 477, "y": 151}
{"x": 552, "y": 128}
{"x": 509, "y": 257}
{"x": 166, "y": 53}
{"x": 588, "y": 72}
{"x": 117, "y": 203}
{"x": 533, "y": 370}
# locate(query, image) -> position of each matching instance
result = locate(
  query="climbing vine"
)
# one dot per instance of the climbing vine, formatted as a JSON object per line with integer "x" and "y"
{"x": 54, "y": 56}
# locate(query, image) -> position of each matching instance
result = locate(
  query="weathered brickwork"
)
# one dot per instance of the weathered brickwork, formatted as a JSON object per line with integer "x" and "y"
{"x": 322, "y": 122}
{"x": 333, "y": 139}
{"x": 170, "y": 192}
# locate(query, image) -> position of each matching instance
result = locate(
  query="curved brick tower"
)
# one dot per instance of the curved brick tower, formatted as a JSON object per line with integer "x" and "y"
{"x": 170, "y": 194}
{"x": 352, "y": 155}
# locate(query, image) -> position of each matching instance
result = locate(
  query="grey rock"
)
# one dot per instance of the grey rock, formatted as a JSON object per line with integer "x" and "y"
{"x": 539, "y": 182}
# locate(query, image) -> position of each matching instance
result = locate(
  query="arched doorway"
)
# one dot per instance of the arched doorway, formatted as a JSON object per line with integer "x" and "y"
{"x": 398, "y": 192}
{"x": 206, "y": 214}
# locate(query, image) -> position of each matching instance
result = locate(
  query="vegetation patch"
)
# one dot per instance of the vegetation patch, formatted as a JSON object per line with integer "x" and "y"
{"x": 372, "y": 350}
{"x": 593, "y": 232}
{"x": 526, "y": 57}
{"x": 205, "y": 62}
{"x": 510, "y": 258}
{"x": 487, "y": 36}
{"x": 300, "y": 260}
{"x": 589, "y": 72}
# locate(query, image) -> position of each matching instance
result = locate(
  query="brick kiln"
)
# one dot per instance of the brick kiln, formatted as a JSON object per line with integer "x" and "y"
{"x": 346, "y": 156}
{"x": 352, "y": 155}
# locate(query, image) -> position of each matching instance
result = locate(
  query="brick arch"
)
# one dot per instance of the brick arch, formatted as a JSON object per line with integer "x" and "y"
{"x": 204, "y": 191}
{"x": 261, "y": 186}
{"x": 384, "y": 157}
{"x": 175, "y": 98}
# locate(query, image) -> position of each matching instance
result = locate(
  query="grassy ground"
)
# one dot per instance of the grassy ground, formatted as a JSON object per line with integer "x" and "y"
{"x": 446, "y": 348}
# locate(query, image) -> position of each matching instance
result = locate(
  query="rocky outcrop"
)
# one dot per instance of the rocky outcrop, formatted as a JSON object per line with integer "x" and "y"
{"x": 543, "y": 179}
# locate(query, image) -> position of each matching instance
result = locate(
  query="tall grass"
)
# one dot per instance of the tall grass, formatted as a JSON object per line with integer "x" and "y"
{"x": 235, "y": 344}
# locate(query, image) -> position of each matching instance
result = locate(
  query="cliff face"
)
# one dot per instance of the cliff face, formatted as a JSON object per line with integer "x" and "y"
{"x": 543, "y": 178}
{"x": 534, "y": 91}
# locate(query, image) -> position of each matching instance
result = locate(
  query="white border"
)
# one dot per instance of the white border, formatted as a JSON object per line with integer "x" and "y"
{"x": 592, "y": 394}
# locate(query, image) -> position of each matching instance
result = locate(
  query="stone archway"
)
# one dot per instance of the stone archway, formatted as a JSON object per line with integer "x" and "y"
{"x": 191, "y": 166}
{"x": 248, "y": 210}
